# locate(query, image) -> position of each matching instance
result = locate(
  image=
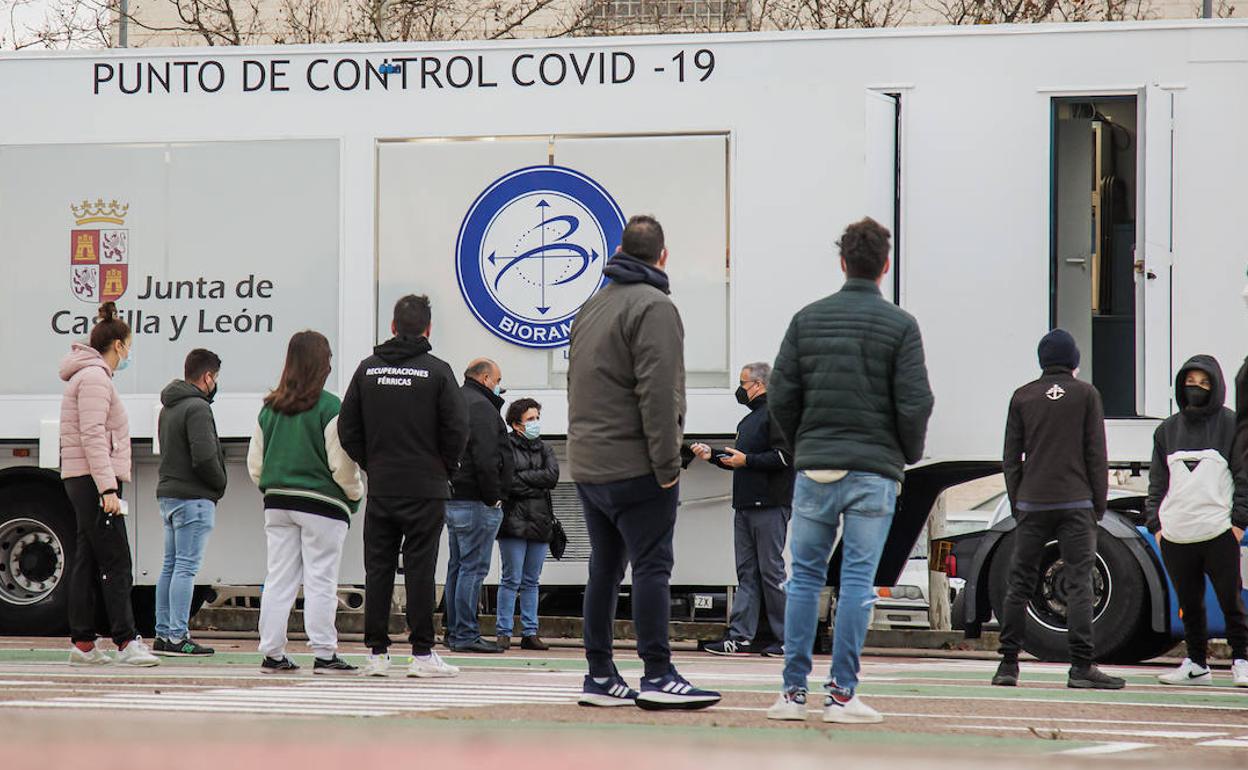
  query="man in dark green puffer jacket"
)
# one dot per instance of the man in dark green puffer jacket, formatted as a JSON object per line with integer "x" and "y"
{"x": 849, "y": 393}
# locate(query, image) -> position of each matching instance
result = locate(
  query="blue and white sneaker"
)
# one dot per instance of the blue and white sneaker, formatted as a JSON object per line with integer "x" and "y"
{"x": 672, "y": 691}
{"x": 616, "y": 692}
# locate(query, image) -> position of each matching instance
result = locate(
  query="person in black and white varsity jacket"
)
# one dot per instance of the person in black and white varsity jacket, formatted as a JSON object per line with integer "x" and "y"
{"x": 1197, "y": 508}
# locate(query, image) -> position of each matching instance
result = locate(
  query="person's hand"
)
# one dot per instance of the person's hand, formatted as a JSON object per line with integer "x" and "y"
{"x": 671, "y": 483}
{"x": 735, "y": 459}
{"x": 112, "y": 506}
{"x": 1238, "y": 532}
{"x": 701, "y": 451}
{"x": 1157, "y": 535}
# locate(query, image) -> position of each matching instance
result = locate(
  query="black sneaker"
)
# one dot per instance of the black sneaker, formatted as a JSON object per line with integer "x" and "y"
{"x": 673, "y": 691}
{"x": 1092, "y": 678}
{"x": 774, "y": 650}
{"x": 334, "y": 665}
{"x": 479, "y": 645}
{"x": 1007, "y": 674}
{"x": 283, "y": 665}
{"x": 730, "y": 647}
{"x": 615, "y": 692}
{"x": 187, "y": 648}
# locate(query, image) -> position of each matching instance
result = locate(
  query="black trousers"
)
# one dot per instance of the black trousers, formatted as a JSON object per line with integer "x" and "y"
{"x": 1075, "y": 532}
{"x": 101, "y": 566}
{"x": 629, "y": 522}
{"x": 411, "y": 526}
{"x": 1188, "y": 564}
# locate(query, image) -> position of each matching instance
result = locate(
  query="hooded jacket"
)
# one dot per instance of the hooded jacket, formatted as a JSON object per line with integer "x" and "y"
{"x": 404, "y": 421}
{"x": 192, "y": 464}
{"x": 484, "y": 471}
{"x": 95, "y": 430}
{"x": 626, "y": 379}
{"x": 1197, "y": 485}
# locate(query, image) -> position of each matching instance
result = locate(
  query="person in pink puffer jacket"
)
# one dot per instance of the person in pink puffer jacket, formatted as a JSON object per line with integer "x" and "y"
{"x": 95, "y": 460}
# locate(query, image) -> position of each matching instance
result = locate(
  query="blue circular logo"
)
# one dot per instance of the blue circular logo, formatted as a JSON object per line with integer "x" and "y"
{"x": 531, "y": 249}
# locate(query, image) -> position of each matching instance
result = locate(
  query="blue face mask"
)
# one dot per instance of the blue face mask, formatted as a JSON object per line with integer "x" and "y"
{"x": 498, "y": 389}
{"x": 533, "y": 429}
{"x": 124, "y": 363}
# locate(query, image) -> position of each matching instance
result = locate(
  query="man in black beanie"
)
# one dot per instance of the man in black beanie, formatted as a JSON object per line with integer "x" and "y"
{"x": 1057, "y": 478}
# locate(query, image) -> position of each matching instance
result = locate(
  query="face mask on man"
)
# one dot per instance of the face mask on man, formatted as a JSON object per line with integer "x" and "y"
{"x": 1196, "y": 395}
{"x": 743, "y": 397}
{"x": 533, "y": 429}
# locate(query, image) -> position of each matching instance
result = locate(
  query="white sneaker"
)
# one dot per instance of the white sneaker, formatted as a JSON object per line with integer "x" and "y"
{"x": 137, "y": 654}
{"x": 96, "y": 657}
{"x": 849, "y": 712}
{"x": 377, "y": 665}
{"x": 1188, "y": 673}
{"x": 789, "y": 707}
{"x": 430, "y": 666}
{"x": 1239, "y": 673}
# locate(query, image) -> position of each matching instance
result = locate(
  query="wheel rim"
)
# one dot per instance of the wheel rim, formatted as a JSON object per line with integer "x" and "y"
{"x": 32, "y": 561}
{"x": 1048, "y": 606}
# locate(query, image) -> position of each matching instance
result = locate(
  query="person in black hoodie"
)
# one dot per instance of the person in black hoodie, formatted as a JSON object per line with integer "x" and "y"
{"x": 1198, "y": 508}
{"x": 1057, "y": 478}
{"x": 404, "y": 422}
{"x": 762, "y": 495}
{"x": 528, "y": 524}
{"x": 478, "y": 490}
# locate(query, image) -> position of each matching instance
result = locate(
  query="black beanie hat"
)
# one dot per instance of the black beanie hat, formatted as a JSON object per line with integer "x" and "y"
{"x": 1058, "y": 348}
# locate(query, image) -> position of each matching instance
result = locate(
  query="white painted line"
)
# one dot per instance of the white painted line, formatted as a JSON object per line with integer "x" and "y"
{"x": 1086, "y": 731}
{"x": 231, "y": 709}
{"x": 1227, "y": 743}
{"x": 1064, "y": 719}
{"x": 1131, "y": 704}
{"x": 1109, "y": 748}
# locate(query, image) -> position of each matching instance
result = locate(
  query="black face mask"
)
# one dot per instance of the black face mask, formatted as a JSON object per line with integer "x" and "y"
{"x": 1196, "y": 395}
{"x": 743, "y": 398}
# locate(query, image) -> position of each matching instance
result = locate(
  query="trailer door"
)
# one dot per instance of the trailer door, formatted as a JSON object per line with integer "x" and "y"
{"x": 880, "y": 176}
{"x": 1153, "y": 262}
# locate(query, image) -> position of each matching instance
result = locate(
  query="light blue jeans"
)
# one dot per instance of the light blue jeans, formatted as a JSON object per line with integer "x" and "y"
{"x": 470, "y": 531}
{"x": 522, "y": 571}
{"x": 187, "y": 526}
{"x": 866, "y": 502}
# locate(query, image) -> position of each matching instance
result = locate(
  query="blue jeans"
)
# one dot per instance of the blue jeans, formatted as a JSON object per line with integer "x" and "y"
{"x": 867, "y": 502}
{"x": 522, "y": 569}
{"x": 470, "y": 528}
{"x": 187, "y": 525}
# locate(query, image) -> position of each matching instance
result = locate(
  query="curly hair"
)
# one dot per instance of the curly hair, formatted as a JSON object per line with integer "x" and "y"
{"x": 864, "y": 246}
{"x": 515, "y": 412}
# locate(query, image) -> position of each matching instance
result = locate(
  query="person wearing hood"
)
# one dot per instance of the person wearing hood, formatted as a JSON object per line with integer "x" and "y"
{"x": 192, "y": 480}
{"x": 762, "y": 498}
{"x": 1057, "y": 479}
{"x": 478, "y": 489}
{"x": 405, "y": 422}
{"x": 626, "y": 419}
{"x": 95, "y": 462}
{"x": 1197, "y": 508}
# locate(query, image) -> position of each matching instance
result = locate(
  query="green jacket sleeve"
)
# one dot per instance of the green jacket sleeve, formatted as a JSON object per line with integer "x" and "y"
{"x": 784, "y": 390}
{"x": 659, "y": 372}
{"x": 206, "y": 458}
{"x": 912, "y": 395}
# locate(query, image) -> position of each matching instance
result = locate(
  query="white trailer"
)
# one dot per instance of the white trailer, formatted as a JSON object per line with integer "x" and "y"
{"x": 1085, "y": 176}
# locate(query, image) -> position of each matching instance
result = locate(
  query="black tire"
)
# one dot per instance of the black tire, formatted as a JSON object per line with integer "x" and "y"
{"x": 38, "y": 535}
{"x": 1119, "y": 595}
{"x": 957, "y": 610}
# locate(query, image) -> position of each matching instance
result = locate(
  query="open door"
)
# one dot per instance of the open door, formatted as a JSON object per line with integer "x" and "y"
{"x": 1074, "y": 173}
{"x": 881, "y": 176}
{"x": 1153, "y": 262}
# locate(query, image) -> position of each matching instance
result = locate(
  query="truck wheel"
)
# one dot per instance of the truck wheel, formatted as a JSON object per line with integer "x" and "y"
{"x": 1118, "y": 592}
{"x": 37, "y": 540}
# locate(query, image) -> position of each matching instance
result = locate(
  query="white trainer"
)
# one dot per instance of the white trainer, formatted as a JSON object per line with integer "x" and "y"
{"x": 377, "y": 665}
{"x": 1188, "y": 673}
{"x": 849, "y": 712}
{"x": 789, "y": 707}
{"x": 137, "y": 654}
{"x": 96, "y": 657}
{"x": 1239, "y": 673}
{"x": 430, "y": 666}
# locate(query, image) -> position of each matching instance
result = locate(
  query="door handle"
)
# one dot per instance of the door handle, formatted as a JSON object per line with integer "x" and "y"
{"x": 1076, "y": 261}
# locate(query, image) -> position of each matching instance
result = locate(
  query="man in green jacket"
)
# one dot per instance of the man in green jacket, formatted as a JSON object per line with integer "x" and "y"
{"x": 849, "y": 393}
{"x": 192, "y": 480}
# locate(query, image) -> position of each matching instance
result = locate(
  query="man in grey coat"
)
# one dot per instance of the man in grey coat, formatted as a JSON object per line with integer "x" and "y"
{"x": 626, "y": 411}
{"x": 849, "y": 392}
{"x": 192, "y": 480}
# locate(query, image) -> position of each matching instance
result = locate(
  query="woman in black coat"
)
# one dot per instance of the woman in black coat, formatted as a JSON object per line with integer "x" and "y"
{"x": 528, "y": 520}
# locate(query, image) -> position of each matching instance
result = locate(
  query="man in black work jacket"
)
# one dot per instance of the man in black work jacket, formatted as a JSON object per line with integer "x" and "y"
{"x": 404, "y": 421}
{"x": 762, "y": 495}
{"x": 1057, "y": 478}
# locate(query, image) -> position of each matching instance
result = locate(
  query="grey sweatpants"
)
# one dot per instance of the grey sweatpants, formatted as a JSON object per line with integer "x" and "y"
{"x": 758, "y": 537}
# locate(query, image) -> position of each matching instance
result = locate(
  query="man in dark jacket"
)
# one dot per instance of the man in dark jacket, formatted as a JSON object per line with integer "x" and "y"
{"x": 762, "y": 493}
{"x": 192, "y": 480}
{"x": 849, "y": 393}
{"x": 479, "y": 488}
{"x": 626, "y": 413}
{"x": 404, "y": 421}
{"x": 1057, "y": 479}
